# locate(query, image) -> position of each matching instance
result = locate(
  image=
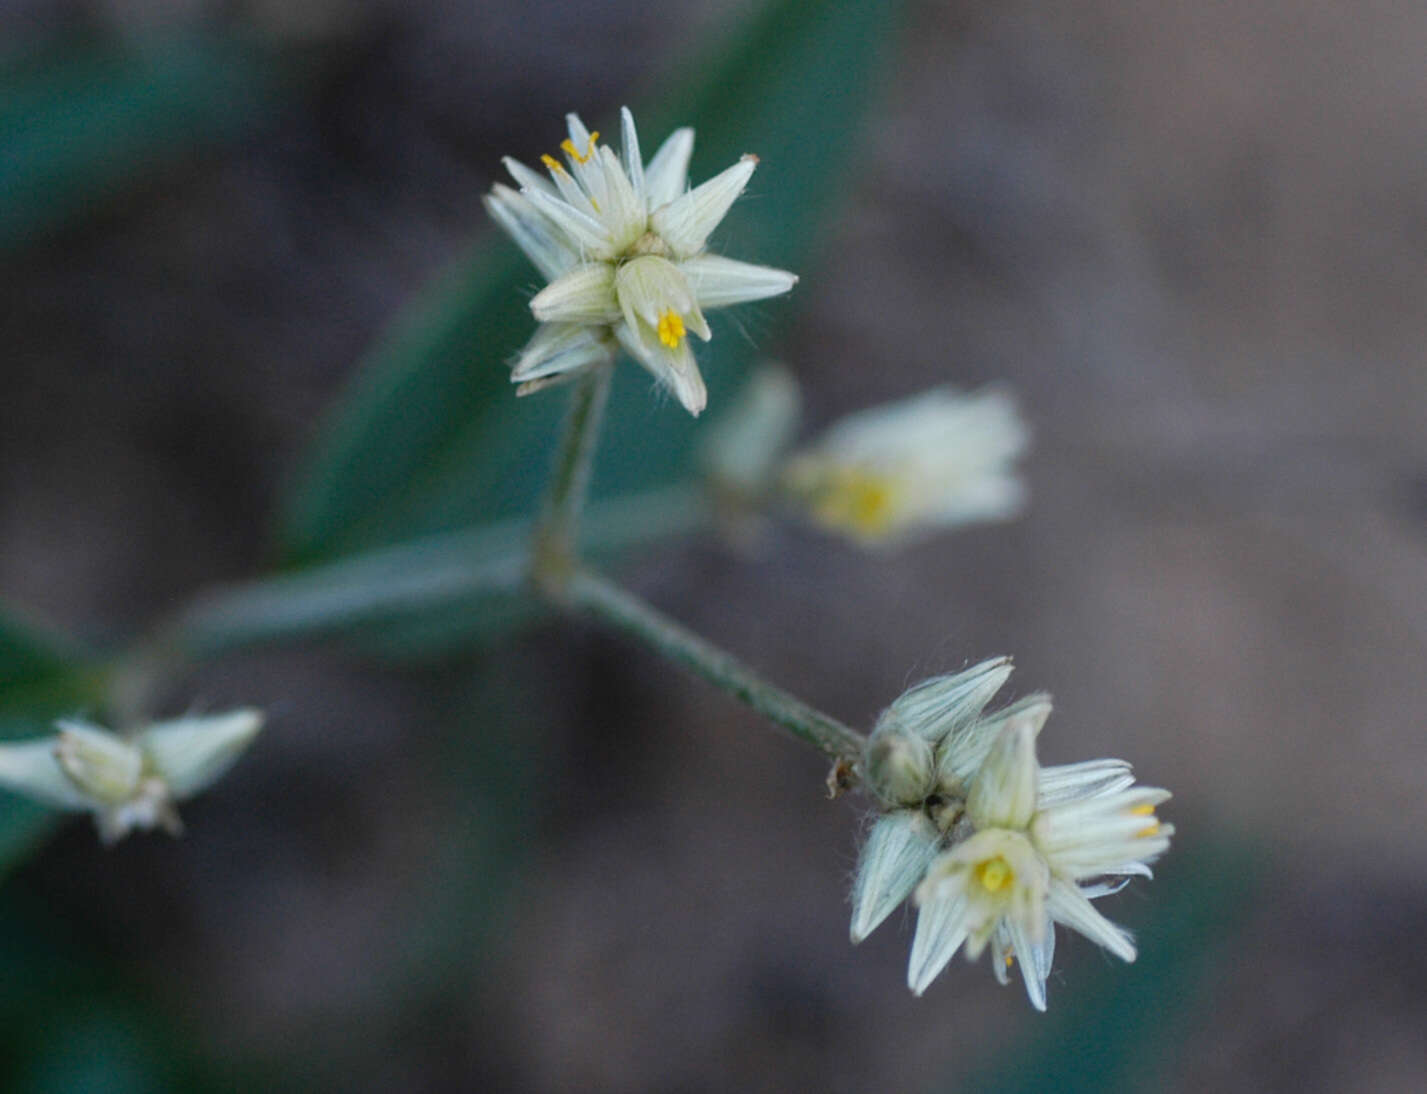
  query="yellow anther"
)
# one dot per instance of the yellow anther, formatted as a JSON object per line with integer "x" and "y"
{"x": 994, "y": 874}
{"x": 1010, "y": 960}
{"x": 861, "y": 502}
{"x": 1142, "y": 811}
{"x": 568, "y": 146}
{"x": 552, "y": 163}
{"x": 1152, "y": 830}
{"x": 671, "y": 329}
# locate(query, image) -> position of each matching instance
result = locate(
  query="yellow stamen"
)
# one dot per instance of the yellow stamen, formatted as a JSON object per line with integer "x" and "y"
{"x": 568, "y": 146}
{"x": 861, "y": 502}
{"x": 1152, "y": 830}
{"x": 994, "y": 874}
{"x": 671, "y": 329}
{"x": 1010, "y": 960}
{"x": 1142, "y": 811}
{"x": 552, "y": 163}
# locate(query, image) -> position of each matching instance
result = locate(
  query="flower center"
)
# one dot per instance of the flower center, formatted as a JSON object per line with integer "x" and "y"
{"x": 671, "y": 329}
{"x": 994, "y": 874}
{"x": 858, "y": 500}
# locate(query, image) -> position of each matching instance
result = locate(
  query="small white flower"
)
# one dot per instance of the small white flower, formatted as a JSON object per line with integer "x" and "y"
{"x": 128, "y": 783}
{"x": 1041, "y": 845}
{"x": 622, "y": 244}
{"x": 995, "y": 848}
{"x": 937, "y": 460}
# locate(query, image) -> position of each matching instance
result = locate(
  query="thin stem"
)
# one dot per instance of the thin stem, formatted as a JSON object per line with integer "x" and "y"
{"x": 553, "y": 553}
{"x": 598, "y": 595}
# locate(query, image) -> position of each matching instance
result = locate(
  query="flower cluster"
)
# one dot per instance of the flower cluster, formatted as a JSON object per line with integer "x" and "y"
{"x": 128, "y": 783}
{"x": 993, "y": 848}
{"x": 937, "y": 460}
{"x": 622, "y": 244}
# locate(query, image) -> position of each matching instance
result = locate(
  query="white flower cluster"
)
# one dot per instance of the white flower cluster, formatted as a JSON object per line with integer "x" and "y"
{"x": 881, "y": 477}
{"x": 128, "y": 783}
{"x": 993, "y": 848}
{"x": 622, "y": 244}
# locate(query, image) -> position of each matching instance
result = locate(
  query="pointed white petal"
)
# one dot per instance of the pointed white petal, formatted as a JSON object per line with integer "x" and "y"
{"x": 1066, "y": 904}
{"x": 634, "y": 165}
{"x": 584, "y": 234}
{"x": 623, "y": 210}
{"x": 584, "y": 295}
{"x": 533, "y": 233}
{"x": 674, "y": 368}
{"x": 685, "y": 223}
{"x": 894, "y": 859}
{"x": 966, "y": 749}
{"x": 557, "y": 348}
{"x": 527, "y": 178}
{"x": 719, "y": 282}
{"x": 29, "y": 768}
{"x": 1034, "y": 958}
{"x": 943, "y": 704}
{"x": 941, "y": 929}
{"x": 668, "y": 172}
{"x": 1003, "y": 791}
{"x": 193, "y": 753}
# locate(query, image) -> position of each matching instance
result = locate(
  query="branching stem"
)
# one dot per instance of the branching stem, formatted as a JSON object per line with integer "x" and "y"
{"x": 588, "y": 591}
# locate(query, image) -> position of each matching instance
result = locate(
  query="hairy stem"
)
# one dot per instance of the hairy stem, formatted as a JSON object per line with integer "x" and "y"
{"x": 590, "y": 592}
{"x": 553, "y": 553}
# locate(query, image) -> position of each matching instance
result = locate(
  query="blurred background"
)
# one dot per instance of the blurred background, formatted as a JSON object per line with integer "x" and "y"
{"x": 483, "y": 849}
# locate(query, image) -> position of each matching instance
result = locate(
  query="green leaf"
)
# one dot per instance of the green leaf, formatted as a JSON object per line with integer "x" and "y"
{"x": 79, "y": 129}
{"x": 430, "y": 437}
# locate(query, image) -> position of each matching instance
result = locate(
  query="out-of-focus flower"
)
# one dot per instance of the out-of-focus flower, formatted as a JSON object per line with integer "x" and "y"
{"x": 622, "y": 244}
{"x": 741, "y": 449}
{"x": 937, "y": 460}
{"x": 128, "y": 783}
{"x": 997, "y": 848}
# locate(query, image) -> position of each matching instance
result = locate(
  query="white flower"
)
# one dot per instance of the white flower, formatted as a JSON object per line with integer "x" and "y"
{"x": 937, "y": 460}
{"x": 622, "y": 244}
{"x": 128, "y": 783}
{"x": 1041, "y": 845}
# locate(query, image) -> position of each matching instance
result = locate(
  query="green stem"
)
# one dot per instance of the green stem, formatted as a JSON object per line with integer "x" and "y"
{"x": 553, "y": 553}
{"x": 599, "y": 596}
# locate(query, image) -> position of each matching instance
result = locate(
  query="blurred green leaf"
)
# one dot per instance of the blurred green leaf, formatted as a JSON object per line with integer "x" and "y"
{"x": 79, "y": 129}
{"x": 430, "y": 437}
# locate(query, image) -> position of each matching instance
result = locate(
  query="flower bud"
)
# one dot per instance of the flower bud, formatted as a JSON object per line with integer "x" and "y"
{"x": 962, "y": 754}
{"x": 898, "y": 850}
{"x": 898, "y": 766}
{"x": 944, "y": 705}
{"x": 102, "y": 766}
{"x": 1003, "y": 793}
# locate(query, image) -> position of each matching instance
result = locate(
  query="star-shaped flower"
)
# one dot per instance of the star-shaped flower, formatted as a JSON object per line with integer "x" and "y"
{"x": 623, "y": 245}
{"x": 127, "y": 782}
